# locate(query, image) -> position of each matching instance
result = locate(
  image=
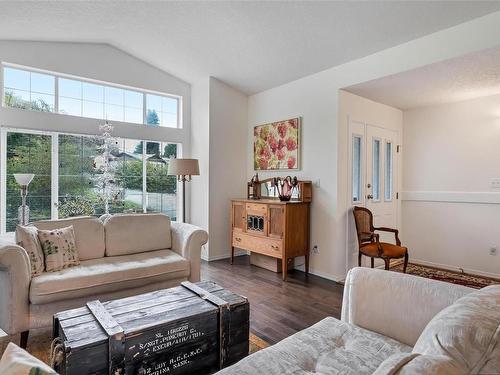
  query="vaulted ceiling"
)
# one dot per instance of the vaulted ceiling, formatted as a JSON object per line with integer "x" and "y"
{"x": 251, "y": 45}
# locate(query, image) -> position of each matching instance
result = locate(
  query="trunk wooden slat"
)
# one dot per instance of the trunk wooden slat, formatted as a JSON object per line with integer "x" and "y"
{"x": 191, "y": 329}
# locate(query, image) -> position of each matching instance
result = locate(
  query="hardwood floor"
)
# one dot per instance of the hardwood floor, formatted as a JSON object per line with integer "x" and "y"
{"x": 278, "y": 309}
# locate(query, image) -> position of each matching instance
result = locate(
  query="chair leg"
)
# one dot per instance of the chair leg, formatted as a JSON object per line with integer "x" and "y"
{"x": 359, "y": 259}
{"x": 405, "y": 263}
{"x": 373, "y": 262}
{"x": 387, "y": 263}
{"x": 24, "y": 339}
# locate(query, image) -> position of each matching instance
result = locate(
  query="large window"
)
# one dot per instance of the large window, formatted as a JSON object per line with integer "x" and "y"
{"x": 29, "y": 90}
{"x": 78, "y": 97}
{"x": 161, "y": 189}
{"x": 67, "y": 186}
{"x": 28, "y": 153}
{"x": 161, "y": 111}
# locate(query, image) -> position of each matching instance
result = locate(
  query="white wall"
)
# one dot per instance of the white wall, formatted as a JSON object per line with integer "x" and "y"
{"x": 228, "y": 139}
{"x": 200, "y": 150}
{"x": 218, "y": 139}
{"x": 316, "y": 97}
{"x": 450, "y": 212}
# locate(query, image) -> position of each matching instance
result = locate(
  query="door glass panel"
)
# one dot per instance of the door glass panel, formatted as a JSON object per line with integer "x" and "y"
{"x": 356, "y": 169}
{"x": 376, "y": 170}
{"x": 388, "y": 171}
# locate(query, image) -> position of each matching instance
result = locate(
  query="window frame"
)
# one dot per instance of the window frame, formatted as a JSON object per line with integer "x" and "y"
{"x": 104, "y": 84}
{"x": 388, "y": 185}
{"x": 55, "y": 171}
{"x": 378, "y": 169}
{"x": 361, "y": 138}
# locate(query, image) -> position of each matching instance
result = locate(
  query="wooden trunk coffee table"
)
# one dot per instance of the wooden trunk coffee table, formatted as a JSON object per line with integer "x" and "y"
{"x": 190, "y": 329}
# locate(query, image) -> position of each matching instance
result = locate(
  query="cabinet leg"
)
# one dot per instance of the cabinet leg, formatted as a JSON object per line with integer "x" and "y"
{"x": 232, "y": 254}
{"x": 284, "y": 268}
{"x": 307, "y": 263}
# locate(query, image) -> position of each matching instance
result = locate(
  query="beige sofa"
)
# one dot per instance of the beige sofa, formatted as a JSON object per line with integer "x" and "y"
{"x": 393, "y": 324}
{"x": 120, "y": 256}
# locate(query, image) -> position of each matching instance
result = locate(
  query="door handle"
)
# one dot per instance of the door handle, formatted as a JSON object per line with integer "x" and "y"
{"x": 369, "y": 196}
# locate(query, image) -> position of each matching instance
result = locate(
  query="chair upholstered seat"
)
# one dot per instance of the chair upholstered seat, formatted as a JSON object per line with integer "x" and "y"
{"x": 369, "y": 241}
{"x": 328, "y": 347}
{"x": 108, "y": 274}
{"x": 389, "y": 250}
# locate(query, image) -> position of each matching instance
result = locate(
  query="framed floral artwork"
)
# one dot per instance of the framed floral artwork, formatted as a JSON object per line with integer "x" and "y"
{"x": 277, "y": 145}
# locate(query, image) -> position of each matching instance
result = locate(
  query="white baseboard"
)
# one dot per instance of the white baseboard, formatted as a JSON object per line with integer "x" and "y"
{"x": 455, "y": 268}
{"x": 237, "y": 253}
{"x": 327, "y": 276}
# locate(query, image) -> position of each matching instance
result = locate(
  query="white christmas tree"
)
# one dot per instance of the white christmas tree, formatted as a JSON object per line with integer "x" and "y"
{"x": 104, "y": 180}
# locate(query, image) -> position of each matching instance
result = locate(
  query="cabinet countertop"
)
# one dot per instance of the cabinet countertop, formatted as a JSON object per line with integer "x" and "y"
{"x": 267, "y": 201}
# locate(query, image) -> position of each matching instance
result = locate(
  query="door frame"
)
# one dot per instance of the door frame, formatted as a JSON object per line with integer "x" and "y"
{"x": 397, "y": 176}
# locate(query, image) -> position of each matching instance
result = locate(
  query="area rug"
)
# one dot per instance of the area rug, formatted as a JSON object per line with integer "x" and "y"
{"x": 40, "y": 340}
{"x": 472, "y": 281}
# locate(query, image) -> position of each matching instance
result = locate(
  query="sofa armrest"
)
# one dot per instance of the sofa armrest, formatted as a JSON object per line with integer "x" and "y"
{"x": 395, "y": 304}
{"x": 15, "y": 278}
{"x": 187, "y": 241}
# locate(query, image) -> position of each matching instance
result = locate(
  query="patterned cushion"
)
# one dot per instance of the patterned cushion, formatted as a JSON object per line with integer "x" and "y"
{"x": 414, "y": 363}
{"x": 16, "y": 361}
{"x": 27, "y": 238}
{"x": 467, "y": 331}
{"x": 328, "y": 347}
{"x": 59, "y": 248}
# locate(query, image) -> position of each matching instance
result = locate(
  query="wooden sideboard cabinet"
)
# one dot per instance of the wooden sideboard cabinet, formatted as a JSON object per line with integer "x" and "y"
{"x": 271, "y": 227}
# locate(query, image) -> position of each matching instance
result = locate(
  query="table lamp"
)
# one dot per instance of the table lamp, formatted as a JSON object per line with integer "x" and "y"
{"x": 23, "y": 212}
{"x": 183, "y": 169}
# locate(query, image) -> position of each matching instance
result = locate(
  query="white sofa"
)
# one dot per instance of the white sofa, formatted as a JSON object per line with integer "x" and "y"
{"x": 120, "y": 256}
{"x": 392, "y": 323}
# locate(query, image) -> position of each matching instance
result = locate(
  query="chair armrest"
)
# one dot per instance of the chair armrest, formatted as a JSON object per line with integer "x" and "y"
{"x": 395, "y": 304}
{"x": 15, "y": 278}
{"x": 395, "y": 231}
{"x": 187, "y": 241}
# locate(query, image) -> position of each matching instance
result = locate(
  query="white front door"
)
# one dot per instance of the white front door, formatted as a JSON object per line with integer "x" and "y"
{"x": 372, "y": 180}
{"x": 380, "y": 176}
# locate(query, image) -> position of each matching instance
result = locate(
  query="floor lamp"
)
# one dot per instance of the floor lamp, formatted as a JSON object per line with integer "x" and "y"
{"x": 23, "y": 212}
{"x": 183, "y": 169}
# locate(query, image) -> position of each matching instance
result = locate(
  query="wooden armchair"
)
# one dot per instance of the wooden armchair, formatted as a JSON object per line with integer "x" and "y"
{"x": 369, "y": 241}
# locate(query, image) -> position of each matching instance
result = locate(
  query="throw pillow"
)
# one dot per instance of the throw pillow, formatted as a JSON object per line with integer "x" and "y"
{"x": 468, "y": 331}
{"x": 414, "y": 363}
{"x": 59, "y": 248}
{"x": 27, "y": 238}
{"x": 16, "y": 361}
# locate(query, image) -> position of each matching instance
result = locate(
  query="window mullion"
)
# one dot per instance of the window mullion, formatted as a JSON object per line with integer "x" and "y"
{"x": 144, "y": 178}
{"x": 54, "y": 171}
{"x": 3, "y": 180}
{"x": 56, "y": 94}
{"x": 144, "y": 110}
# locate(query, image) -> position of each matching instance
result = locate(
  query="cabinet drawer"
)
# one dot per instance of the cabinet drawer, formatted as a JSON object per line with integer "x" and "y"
{"x": 256, "y": 209}
{"x": 261, "y": 245}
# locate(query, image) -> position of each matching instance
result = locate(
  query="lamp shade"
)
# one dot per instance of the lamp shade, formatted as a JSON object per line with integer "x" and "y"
{"x": 183, "y": 167}
{"x": 23, "y": 179}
